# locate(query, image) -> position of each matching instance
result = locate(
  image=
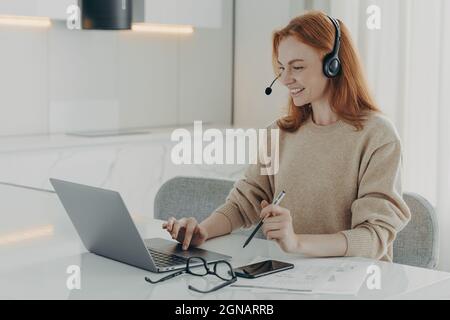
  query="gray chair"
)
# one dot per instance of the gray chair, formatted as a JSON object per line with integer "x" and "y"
{"x": 190, "y": 197}
{"x": 416, "y": 244}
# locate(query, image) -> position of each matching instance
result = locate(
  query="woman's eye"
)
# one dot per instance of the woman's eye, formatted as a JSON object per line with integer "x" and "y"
{"x": 281, "y": 68}
{"x": 298, "y": 68}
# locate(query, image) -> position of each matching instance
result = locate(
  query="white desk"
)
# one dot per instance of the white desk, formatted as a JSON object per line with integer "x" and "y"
{"x": 38, "y": 243}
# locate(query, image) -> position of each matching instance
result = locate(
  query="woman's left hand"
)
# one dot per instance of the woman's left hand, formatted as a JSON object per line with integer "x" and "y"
{"x": 278, "y": 226}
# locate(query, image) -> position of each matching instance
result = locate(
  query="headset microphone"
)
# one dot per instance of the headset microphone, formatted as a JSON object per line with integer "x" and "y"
{"x": 269, "y": 88}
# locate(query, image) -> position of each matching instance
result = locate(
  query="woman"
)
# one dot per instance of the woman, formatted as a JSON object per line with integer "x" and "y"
{"x": 339, "y": 159}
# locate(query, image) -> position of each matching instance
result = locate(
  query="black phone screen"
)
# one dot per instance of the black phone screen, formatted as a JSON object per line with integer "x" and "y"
{"x": 262, "y": 268}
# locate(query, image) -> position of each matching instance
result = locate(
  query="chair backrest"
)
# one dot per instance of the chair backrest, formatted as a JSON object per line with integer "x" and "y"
{"x": 416, "y": 244}
{"x": 193, "y": 197}
{"x": 190, "y": 197}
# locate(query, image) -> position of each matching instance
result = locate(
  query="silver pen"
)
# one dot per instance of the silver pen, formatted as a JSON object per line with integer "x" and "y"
{"x": 275, "y": 202}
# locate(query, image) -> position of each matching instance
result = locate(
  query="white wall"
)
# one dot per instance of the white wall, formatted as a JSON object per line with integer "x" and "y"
{"x": 57, "y": 80}
{"x": 253, "y": 60}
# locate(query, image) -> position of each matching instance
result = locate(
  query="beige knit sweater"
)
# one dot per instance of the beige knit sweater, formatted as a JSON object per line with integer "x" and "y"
{"x": 336, "y": 179}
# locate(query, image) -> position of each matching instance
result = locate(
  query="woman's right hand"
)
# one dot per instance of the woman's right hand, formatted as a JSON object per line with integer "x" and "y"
{"x": 186, "y": 231}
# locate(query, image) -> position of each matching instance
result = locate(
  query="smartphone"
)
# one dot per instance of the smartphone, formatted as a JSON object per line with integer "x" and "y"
{"x": 263, "y": 268}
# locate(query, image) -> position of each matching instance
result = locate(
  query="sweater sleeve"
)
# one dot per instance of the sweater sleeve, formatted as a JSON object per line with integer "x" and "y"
{"x": 243, "y": 204}
{"x": 379, "y": 212}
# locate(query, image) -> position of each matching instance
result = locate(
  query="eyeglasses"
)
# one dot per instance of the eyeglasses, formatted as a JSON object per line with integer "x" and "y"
{"x": 198, "y": 266}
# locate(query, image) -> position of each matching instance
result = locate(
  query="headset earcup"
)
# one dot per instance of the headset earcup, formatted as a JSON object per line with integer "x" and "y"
{"x": 335, "y": 66}
{"x": 331, "y": 66}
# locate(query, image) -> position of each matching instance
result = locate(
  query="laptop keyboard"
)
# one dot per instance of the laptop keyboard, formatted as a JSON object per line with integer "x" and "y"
{"x": 166, "y": 260}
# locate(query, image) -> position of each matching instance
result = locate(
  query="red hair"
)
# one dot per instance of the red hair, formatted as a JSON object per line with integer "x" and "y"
{"x": 350, "y": 97}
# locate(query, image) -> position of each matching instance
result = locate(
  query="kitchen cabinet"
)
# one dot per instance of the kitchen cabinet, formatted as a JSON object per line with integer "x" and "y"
{"x": 198, "y": 13}
{"x": 53, "y": 9}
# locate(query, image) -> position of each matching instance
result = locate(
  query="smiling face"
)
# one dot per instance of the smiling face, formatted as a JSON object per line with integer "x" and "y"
{"x": 301, "y": 71}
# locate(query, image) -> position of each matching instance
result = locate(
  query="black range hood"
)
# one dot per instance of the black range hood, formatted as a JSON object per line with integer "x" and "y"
{"x": 106, "y": 14}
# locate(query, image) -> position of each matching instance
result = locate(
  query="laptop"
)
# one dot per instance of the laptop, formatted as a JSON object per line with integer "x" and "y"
{"x": 106, "y": 229}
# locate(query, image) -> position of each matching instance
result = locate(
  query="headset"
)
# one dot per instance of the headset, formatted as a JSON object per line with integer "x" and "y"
{"x": 331, "y": 62}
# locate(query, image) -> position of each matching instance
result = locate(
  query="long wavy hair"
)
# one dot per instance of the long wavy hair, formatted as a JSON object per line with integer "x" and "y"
{"x": 350, "y": 97}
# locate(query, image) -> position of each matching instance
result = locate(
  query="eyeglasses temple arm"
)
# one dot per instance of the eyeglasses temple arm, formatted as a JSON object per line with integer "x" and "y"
{"x": 165, "y": 278}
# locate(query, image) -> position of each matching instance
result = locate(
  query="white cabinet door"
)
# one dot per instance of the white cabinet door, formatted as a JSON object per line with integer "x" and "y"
{"x": 198, "y": 13}
{"x": 53, "y": 9}
{"x": 18, "y": 7}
